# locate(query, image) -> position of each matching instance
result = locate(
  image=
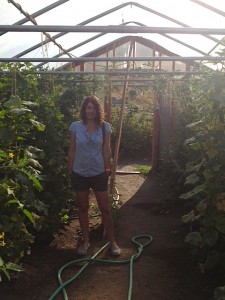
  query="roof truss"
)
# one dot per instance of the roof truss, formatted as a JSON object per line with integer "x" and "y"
{"x": 141, "y": 28}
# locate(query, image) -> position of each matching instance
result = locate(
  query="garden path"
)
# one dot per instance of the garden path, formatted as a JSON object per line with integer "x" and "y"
{"x": 164, "y": 271}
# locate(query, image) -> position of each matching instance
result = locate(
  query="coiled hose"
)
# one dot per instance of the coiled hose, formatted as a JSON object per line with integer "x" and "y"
{"x": 133, "y": 258}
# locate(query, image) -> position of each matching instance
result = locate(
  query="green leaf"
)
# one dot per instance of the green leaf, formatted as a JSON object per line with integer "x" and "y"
{"x": 38, "y": 125}
{"x": 2, "y": 114}
{"x": 10, "y": 191}
{"x": 190, "y": 217}
{"x": 14, "y": 267}
{"x": 192, "y": 179}
{"x": 31, "y": 155}
{"x": 191, "y": 125}
{"x": 198, "y": 189}
{"x": 34, "y": 149}
{"x": 29, "y": 215}
{"x": 29, "y": 103}
{"x": 6, "y": 273}
{"x": 3, "y": 154}
{"x": 19, "y": 111}
{"x": 1, "y": 262}
{"x": 35, "y": 163}
{"x": 195, "y": 146}
{"x": 194, "y": 238}
{"x": 14, "y": 201}
{"x": 36, "y": 182}
{"x": 189, "y": 141}
{"x": 14, "y": 101}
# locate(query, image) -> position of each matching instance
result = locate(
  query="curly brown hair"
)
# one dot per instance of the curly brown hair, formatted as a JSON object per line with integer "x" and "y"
{"x": 99, "y": 112}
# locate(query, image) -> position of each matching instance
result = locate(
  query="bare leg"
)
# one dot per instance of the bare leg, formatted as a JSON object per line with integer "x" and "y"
{"x": 83, "y": 206}
{"x": 104, "y": 206}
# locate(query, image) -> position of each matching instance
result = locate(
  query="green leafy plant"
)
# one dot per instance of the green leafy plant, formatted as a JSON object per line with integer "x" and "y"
{"x": 35, "y": 115}
{"x": 144, "y": 170}
{"x": 8, "y": 268}
{"x": 136, "y": 135}
{"x": 20, "y": 174}
{"x": 204, "y": 181}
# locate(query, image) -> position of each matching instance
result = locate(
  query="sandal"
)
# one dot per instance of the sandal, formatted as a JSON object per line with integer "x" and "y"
{"x": 115, "y": 250}
{"x": 83, "y": 249}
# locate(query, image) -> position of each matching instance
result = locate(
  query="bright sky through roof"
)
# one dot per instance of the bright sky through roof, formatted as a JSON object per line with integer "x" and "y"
{"x": 74, "y": 12}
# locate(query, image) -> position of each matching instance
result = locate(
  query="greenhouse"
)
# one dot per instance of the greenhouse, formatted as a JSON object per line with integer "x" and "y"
{"x": 157, "y": 70}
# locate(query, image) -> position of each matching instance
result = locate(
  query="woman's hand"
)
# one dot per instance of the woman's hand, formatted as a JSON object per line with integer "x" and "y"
{"x": 108, "y": 172}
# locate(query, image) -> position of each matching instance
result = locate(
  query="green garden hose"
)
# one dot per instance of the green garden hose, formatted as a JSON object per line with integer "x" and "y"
{"x": 134, "y": 257}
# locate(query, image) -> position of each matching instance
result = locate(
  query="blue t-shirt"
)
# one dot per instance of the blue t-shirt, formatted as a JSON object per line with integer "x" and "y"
{"x": 88, "y": 159}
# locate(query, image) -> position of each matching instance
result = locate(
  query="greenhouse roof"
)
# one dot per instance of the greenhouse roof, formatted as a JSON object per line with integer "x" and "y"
{"x": 58, "y": 32}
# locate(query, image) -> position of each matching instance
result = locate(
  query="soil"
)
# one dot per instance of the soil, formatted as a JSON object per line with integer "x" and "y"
{"x": 164, "y": 269}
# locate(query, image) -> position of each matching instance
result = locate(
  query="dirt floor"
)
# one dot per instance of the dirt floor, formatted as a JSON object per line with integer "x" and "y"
{"x": 163, "y": 271}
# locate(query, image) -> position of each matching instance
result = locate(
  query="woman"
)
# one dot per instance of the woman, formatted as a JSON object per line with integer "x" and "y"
{"x": 89, "y": 167}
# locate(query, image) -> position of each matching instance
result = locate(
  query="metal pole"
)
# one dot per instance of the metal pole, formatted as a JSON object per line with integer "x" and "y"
{"x": 82, "y": 23}
{"x": 113, "y": 59}
{"x": 126, "y": 23}
{"x": 111, "y": 29}
{"x": 38, "y": 13}
{"x": 218, "y": 11}
{"x": 112, "y": 73}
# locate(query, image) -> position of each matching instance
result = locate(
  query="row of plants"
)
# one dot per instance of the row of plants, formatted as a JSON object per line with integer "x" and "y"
{"x": 205, "y": 178}
{"x": 195, "y": 164}
{"x": 35, "y": 113}
{"x": 136, "y": 133}
{"x": 34, "y": 185}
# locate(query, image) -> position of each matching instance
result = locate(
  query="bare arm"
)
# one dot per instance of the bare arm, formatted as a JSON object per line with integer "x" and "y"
{"x": 71, "y": 153}
{"x": 107, "y": 153}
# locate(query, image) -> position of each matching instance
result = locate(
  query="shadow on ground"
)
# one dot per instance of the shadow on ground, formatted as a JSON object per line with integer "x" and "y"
{"x": 164, "y": 271}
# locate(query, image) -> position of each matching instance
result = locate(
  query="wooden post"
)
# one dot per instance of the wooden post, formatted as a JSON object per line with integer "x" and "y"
{"x": 119, "y": 128}
{"x": 118, "y": 135}
{"x": 155, "y": 140}
{"x": 107, "y": 102}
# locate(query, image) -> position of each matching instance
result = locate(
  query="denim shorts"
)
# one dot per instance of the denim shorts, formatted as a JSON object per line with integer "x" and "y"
{"x": 98, "y": 183}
